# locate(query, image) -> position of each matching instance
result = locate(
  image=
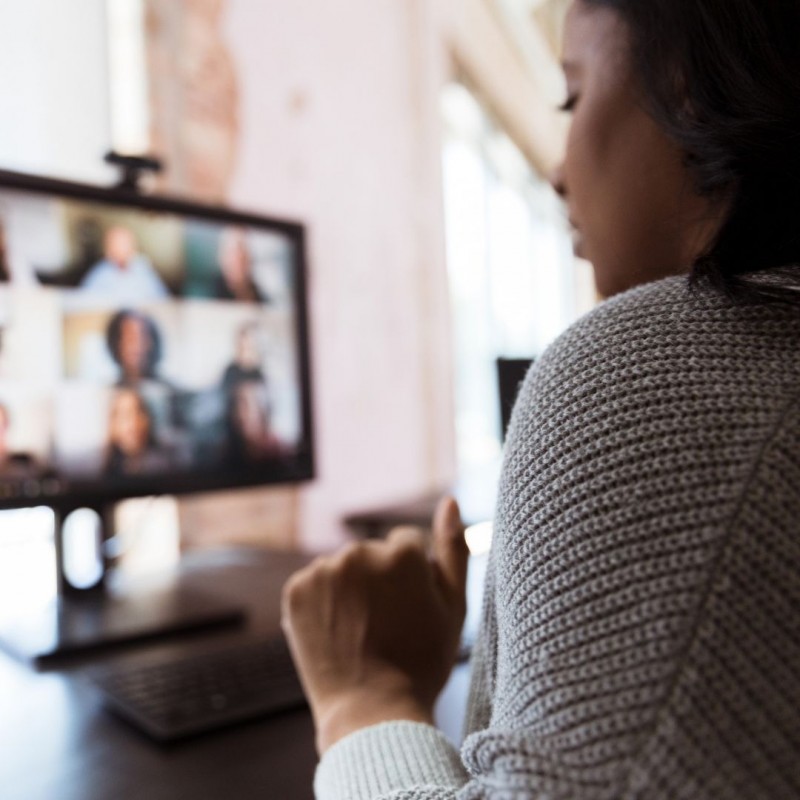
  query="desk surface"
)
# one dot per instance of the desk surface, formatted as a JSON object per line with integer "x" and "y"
{"x": 58, "y": 743}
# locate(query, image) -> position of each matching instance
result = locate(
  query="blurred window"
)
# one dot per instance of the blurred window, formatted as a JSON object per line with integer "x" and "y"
{"x": 127, "y": 70}
{"x": 514, "y": 282}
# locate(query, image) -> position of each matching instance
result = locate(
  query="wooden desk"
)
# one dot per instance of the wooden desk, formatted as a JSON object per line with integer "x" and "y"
{"x": 58, "y": 743}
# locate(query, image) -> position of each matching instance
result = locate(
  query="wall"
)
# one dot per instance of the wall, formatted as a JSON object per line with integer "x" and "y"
{"x": 53, "y": 88}
{"x": 339, "y": 127}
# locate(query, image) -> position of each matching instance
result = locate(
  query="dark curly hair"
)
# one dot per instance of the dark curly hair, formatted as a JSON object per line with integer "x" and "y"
{"x": 722, "y": 79}
{"x": 114, "y": 333}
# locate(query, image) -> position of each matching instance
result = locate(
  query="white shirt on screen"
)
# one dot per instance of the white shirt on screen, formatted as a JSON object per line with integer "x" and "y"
{"x": 136, "y": 282}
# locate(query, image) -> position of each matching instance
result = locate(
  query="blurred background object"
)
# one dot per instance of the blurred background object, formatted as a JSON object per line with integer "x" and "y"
{"x": 413, "y": 138}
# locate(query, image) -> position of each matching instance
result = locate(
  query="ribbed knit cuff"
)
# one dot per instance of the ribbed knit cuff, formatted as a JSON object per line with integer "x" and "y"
{"x": 388, "y": 757}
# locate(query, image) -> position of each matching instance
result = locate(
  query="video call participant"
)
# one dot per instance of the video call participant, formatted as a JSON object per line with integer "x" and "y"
{"x": 124, "y": 273}
{"x": 246, "y": 364}
{"x": 134, "y": 342}
{"x": 235, "y": 279}
{"x": 133, "y": 448}
{"x": 250, "y": 435}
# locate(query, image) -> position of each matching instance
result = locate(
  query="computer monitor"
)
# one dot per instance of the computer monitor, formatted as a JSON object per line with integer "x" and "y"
{"x": 148, "y": 345}
{"x": 511, "y": 373}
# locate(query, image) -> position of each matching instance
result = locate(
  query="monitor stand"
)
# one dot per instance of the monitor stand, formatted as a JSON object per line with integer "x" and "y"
{"x": 111, "y": 611}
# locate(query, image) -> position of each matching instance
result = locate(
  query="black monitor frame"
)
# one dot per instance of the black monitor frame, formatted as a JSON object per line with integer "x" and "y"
{"x": 88, "y": 618}
{"x": 297, "y": 467}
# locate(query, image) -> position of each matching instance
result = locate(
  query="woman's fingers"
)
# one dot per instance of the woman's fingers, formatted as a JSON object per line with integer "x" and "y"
{"x": 406, "y": 536}
{"x": 450, "y": 548}
{"x": 374, "y": 628}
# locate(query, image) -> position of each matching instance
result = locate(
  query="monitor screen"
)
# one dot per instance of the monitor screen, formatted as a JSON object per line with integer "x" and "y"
{"x": 147, "y": 345}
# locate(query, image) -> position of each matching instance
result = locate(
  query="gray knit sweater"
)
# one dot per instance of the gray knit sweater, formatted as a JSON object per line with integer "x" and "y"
{"x": 641, "y": 632}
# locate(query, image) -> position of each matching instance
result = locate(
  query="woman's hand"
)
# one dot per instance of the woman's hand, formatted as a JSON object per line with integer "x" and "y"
{"x": 374, "y": 630}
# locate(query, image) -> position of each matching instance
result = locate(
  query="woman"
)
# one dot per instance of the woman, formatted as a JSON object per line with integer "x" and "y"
{"x": 235, "y": 280}
{"x": 251, "y": 439}
{"x": 132, "y": 445}
{"x": 247, "y": 360}
{"x": 641, "y": 632}
{"x": 134, "y": 343}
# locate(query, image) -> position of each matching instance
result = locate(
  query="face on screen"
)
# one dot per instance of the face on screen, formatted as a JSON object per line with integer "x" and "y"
{"x": 130, "y": 424}
{"x": 136, "y": 345}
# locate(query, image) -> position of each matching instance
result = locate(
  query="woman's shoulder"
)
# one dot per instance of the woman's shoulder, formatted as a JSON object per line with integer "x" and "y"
{"x": 672, "y": 316}
{"x": 671, "y": 304}
{"x": 663, "y": 340}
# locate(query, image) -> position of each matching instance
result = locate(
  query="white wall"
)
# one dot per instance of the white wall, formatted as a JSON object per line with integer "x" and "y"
{"x": 53, "y": 88}
{"x": 340, "y": 128}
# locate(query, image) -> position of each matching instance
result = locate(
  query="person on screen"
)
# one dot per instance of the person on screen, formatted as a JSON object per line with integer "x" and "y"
{"x": 235, "y": 279}
{"x": 246, "y": 364}
{"x": 250, "y": 435}
{"x": 133, "y": 448}
{"x": 134, "y": 342}
{"x": 124, "y": 273}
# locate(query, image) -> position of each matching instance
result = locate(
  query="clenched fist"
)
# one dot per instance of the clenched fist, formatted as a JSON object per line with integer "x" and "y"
{"x": 374, "y": 630}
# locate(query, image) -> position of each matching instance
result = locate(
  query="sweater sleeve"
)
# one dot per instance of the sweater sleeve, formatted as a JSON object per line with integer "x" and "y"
{"x": 391, "y": 761}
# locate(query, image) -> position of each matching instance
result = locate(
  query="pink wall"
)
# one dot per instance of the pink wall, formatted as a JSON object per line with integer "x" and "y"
{"x": 340, "y": 128}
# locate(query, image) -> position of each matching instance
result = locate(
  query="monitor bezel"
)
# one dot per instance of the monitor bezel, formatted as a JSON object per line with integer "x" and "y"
{"x": 296, "y": 468}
